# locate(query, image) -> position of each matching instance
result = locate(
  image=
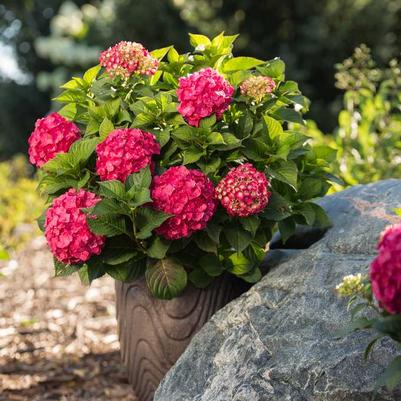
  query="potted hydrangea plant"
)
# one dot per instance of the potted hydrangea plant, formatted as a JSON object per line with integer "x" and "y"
{"x": 170, "y": 172}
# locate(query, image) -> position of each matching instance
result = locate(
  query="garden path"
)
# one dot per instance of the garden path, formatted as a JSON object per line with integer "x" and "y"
{"x": 58, "y": 338}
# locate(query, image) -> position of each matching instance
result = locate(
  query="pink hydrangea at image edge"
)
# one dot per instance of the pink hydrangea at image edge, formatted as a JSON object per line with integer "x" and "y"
{"x": 126, "y": 58}
{"x": 66, "y": 230}
{"x": 53, "y": 134}
{"x": 125, "y": 151}
{"x": 202, "y": 94}
{"x": 186, "y": 194}
{"x": 243, "y": 191}
{"x": 385, "y": 271}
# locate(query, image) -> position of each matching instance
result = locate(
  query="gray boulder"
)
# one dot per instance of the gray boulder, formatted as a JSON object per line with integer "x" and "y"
{"x": 276, "y": 342}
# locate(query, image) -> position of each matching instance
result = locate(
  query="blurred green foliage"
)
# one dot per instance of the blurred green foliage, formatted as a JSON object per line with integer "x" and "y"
{"x": 368, "y": 136}
{"x": 56, "y": 38}
{"x": 20, "y": 204}
{"x": 309, "y": 35}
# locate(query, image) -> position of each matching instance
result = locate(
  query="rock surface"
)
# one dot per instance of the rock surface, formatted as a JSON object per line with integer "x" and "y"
{"x": 276, "y": 342}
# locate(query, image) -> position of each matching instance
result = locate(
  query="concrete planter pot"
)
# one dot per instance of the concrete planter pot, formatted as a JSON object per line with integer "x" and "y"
{"x": 154, "y": 333}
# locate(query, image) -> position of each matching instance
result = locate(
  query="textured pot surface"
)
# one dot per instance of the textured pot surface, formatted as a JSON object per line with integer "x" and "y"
{"x": 154, "y": 333}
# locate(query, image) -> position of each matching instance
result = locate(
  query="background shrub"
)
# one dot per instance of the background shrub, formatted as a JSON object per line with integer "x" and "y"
{"x": 368, "y": 135}
{"x": 19, "y": 203}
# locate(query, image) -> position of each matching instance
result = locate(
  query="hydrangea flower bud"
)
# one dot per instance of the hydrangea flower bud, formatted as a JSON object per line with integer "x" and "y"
{"x": 127, "y": 58}
{"x": 257, "y": 87}
{"x": 350, "y": 285}
{"x": 243, "y": 191}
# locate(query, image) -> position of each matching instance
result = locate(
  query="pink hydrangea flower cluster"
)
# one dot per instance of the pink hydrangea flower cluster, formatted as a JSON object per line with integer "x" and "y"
{"x": 385, "y": 271}
{"x": 186, "y": 194}
{"x": 202, "y": 94}
{"x": 67, "y": 231}
{"x": 257, "y": 87}
{"x": 52, "y": 135}
{"x": 243, "y": 191}
{"x": 126, "y": 58}
{"x": 125, "y": 151}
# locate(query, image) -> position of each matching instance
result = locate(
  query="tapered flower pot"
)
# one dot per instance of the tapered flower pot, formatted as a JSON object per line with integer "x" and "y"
{"x": 154, "y": 333}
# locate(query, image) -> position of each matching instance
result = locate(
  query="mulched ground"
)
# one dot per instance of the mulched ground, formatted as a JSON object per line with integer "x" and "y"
{"x": 58, "y": 339}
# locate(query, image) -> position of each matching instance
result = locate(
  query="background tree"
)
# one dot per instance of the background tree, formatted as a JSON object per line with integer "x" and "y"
{"x": 53, "y": 39}
{"x": 21, "y": 100}
{"x": 311, "y": 36}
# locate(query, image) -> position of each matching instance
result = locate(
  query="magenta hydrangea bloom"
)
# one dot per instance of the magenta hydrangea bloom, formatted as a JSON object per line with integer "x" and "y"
{"x": 125, "y": 151}
{"x": 186, "y": 194}
{"x": 243, "y": 191}
{"x": 67, "y": 231}
{"x": 52, "y": 135}
{"x": 127, "y": 58}
{"x": 385, "y": 271}
{"x": 389, "y": 235}
{"x": 202, "y": 94}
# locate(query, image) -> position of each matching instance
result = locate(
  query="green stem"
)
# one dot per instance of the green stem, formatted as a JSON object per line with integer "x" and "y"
{"x": 137, "y": 242}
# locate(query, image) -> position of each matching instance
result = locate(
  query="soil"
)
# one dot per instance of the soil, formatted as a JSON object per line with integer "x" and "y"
{"x": 58, "y": 338}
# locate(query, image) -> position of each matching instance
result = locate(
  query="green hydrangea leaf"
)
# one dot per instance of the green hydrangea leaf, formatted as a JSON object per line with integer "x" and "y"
{"x": 107, "y": 225}
{"x": 166, "y": 278}
{"x": 199, "y": 278}
{"x": 105, "y": 128}
{"x": 196, "y": 40}
{"x": 290, "y": 115}
{"x": 241, "y": 63}
{"x": 91, "y": 74}
{"x": 160, "y": 53}
{"x": 273, "y": 69}
{"x": 250, "y": 223}
{"x": 204, "y": 242}
{"x": 211, "y": 264}
{"x": 286, "y": 172}
{"x": 238, "y": 238}
{"x": 141, "y": 179}
{"x": 109, "y": 207}
{"x": 148, "y": 219}
{"x": 287, "y": 228}
{"x": 69, "y": 111}
{"x": 274, "y": 128}
{"x": 239, "y": 264}
{"x": 252, "y": 276}
{"x": 112, "y": 189}
{"x": 91, "y": 270}
{"x": 63, "y": 270}
{"x": 128, "y": 271}
{"x": 158, "y": 248}
{"x": 278, "y": 208}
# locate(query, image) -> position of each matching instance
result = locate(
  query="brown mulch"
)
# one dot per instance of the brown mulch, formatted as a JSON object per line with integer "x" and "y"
{"x": 58, "y": 339}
